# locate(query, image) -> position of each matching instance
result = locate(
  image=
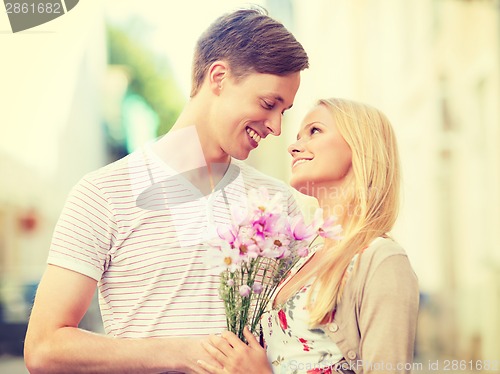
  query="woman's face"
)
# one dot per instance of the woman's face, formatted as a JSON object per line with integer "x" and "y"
{"x": 321, "y": 157}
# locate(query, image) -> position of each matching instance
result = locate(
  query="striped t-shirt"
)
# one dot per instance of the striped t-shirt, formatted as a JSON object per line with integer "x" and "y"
{"x": 140, "y": 229}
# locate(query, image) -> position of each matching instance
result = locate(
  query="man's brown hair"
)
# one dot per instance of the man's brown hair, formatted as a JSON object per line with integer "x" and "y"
{"x": 251, "y": 42}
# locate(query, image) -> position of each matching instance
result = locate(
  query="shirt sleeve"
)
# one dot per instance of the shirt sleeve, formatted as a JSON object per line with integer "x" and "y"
{"x": 388, "y": 317}
{"x": 84, "y": 233}
{"x": 293, "y": 207}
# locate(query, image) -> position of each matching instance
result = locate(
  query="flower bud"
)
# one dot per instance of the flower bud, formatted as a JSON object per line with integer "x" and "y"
{"x": 245, "y": 290}
{"x": 257, "y": 288}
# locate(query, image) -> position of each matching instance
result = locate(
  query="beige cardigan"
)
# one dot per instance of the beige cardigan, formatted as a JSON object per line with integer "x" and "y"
{"x": 375, "y": 322}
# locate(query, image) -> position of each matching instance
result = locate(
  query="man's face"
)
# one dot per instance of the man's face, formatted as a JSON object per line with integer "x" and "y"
{"x": 247, "y": 111}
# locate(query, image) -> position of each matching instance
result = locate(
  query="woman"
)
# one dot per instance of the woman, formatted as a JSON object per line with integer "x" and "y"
{"x": 351, "y": 305}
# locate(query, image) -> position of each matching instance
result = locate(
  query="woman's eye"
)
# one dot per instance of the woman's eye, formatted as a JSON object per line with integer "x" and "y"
{"x": 314, "y": 130}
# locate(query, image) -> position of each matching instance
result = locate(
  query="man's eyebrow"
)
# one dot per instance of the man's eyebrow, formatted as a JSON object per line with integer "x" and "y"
{"x": 281, "y": 100}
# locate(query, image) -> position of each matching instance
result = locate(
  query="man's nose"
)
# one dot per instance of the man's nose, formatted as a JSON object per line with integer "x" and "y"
{"x": 273, "y": 124}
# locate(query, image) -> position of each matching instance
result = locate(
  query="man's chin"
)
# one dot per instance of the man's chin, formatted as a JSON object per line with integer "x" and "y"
{"x": 239, "y": 155}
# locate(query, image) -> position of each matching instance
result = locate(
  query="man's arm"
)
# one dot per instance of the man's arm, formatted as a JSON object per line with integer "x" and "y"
{"x": 55, "y": 344}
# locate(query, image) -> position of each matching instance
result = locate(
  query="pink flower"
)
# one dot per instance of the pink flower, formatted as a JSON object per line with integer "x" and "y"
{"x": 261, "y": 234}
{"x": 240, "y": 238}
{"x": 266, "y": 225}
{"x": 326, "y": 228}
{"x": 282, "y": 319}
{"x": 303, "y": 251}
{"x": 228, "y": 234}
{"x": 245, "y": 290}
{"x": 246, "y": 244}
{"x": 299, "y": 230}
{"x": 327, "y": 370}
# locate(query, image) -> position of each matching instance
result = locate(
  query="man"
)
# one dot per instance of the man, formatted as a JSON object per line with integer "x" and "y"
{"x": 138, "y": 227}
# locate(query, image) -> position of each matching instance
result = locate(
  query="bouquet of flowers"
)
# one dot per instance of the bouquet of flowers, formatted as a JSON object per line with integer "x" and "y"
{"x": 257, "y": 250}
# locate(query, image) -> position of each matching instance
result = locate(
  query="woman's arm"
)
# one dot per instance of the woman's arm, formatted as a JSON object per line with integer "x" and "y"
{"x": 235, "y": 356}
{"x": 388, "y": 317}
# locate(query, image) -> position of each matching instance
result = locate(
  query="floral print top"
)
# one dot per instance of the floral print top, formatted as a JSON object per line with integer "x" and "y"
{"x": 292, "y": 347}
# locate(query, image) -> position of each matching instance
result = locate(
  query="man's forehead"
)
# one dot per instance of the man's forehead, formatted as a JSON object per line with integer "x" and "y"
{"x": 276, "y": 87}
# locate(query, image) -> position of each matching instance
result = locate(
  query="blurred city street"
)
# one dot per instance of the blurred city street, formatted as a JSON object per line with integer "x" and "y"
{"x": 12, "y": 365}
{"x": 15, "y": 365}
{"x": 111, "y": 76}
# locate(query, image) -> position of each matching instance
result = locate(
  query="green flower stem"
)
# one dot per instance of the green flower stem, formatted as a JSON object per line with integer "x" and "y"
{"x": 238, "y": 307}
{"x": 259, "y": 302}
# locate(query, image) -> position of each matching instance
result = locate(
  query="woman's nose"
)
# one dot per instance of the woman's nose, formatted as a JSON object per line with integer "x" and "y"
{"x": 295, "y": 147}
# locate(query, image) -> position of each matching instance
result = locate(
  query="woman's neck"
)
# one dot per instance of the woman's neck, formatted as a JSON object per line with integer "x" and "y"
{"x": 336, "y": 207}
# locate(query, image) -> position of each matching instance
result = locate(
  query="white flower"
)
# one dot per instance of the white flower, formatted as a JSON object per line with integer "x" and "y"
{"x": 239, "y": 216}
{"x": 226, "y": 258}
{"x": 276, "y": 247}
{"x": 259, "y": 201}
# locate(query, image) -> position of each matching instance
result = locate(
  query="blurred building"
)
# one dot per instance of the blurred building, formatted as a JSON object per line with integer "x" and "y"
{"x": 433, "y": 66}
{"x": 52, "y": 134}
{"x": 67, "y": 109}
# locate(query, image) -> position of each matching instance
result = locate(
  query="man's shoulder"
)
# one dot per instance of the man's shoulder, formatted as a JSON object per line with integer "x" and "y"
{"x": 120, "y": 169}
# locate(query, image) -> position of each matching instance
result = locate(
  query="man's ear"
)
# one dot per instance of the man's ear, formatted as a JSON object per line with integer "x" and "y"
{"x": 217, "y": 72}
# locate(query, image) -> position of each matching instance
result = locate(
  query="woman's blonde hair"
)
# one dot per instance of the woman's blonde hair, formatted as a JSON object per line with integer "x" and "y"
{"x": 372, "y": 201}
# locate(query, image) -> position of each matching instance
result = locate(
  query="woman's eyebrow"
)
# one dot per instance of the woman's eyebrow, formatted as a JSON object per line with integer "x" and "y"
{"x": 307, "y": 126}
{"x": 304, "y": 129}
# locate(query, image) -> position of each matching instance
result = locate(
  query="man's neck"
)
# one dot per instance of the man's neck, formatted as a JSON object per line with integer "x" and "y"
{"x": 190, "y": 148}
{"x": 181, "y": 150}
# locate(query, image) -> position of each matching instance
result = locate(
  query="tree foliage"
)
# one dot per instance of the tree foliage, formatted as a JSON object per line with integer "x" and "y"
{"x": 150, "y": 76}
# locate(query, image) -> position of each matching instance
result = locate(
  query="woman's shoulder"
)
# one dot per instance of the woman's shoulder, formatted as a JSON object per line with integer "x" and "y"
{"x": 383, "y": 253}
{"x": 381, "y": 248}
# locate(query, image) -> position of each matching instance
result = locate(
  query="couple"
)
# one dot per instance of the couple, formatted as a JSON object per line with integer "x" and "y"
{"x": 137, "y": 229}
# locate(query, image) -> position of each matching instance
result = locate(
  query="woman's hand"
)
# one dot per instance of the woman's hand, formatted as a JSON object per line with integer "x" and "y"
{"x": 235, "y": 356}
